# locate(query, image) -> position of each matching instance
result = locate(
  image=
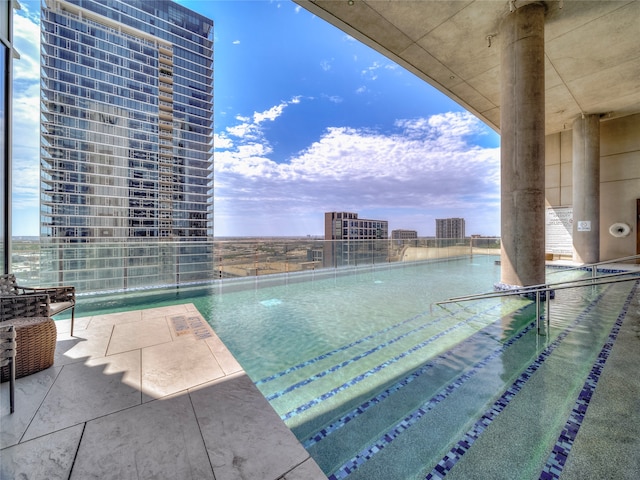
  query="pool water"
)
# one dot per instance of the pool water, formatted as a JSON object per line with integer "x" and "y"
{"x": 270, "y": 329}
{"x": 377, "y": 384}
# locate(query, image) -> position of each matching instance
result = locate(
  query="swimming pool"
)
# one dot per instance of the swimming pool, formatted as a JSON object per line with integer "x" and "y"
{"x": 376, "y": 386}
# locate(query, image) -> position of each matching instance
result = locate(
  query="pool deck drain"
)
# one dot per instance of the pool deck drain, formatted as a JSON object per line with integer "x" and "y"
{"x": 145, "y": 394}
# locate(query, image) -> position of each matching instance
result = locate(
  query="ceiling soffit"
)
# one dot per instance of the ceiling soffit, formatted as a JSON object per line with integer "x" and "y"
{"x": 592, "y": 50}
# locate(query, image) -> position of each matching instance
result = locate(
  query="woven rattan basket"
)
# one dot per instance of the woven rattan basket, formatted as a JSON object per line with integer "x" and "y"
{"x": 35, "y": 345}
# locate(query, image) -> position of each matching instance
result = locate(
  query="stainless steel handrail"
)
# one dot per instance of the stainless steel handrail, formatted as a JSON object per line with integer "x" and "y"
{"x": 603, "y": 280}
{"x": 547, "y": 287}
{"x": 594, "y": 266}
{"x": 532, "y": 288}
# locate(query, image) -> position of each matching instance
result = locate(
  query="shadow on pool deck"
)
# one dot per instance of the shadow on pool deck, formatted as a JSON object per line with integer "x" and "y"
{"x": 145, "y": 394}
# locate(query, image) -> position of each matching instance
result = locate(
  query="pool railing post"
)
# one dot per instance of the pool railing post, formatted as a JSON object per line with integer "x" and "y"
{"x": 548, "y": 297}
{"x": 538, "y": 311}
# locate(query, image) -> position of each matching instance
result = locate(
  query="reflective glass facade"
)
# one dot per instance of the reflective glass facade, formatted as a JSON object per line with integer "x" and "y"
{"x": 356, "y": 239}
{"x": 126, "y": 132}
{"x": 6, "y": 54}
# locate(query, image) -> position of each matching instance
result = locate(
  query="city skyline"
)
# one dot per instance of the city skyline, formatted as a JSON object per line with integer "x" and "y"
{"x": 307, "y": 120}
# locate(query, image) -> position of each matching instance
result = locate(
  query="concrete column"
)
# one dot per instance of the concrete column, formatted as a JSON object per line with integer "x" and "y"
{"x": 586, "y": 189}
{"x": 522, "y": 129}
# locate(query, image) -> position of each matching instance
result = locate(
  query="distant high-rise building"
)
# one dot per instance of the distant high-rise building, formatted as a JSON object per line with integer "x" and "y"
{"x": 349, "y": 234}
{"x": 450, "y": 228}
{"x": 347, "y": 226}
{"x": 126, "y": 122}
{"x": 404, "y": 234}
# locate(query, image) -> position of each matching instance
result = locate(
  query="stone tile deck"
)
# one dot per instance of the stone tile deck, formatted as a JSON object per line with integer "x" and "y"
{"x": 148, "y": 394}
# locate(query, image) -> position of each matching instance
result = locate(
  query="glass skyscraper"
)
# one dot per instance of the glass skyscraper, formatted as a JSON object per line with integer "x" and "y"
{"x": 126, "y": 144}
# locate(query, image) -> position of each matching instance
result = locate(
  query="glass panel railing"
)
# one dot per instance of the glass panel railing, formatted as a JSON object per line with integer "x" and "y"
{"x": 111, "y": 265}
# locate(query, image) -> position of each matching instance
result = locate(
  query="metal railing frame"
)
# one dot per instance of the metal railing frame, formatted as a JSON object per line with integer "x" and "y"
{"x": 546, "y": 288}
{"x": 594, "y": 266}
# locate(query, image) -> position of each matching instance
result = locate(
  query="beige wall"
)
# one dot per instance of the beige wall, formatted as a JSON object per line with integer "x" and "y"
{"x": 619, "y": 179}
{"x": 415, "y": 254}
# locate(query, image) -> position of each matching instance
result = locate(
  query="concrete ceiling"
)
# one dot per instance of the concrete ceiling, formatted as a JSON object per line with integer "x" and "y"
{"x": 592, "y": 50}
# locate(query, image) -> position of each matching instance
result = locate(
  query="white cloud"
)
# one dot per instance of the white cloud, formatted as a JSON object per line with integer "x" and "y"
{"x": 333, "y": 98}
{"x": 244, "y": 130}
{"x": 370, "y": 71}
{"x": 236, "y": 42}
{"x": 26, "y": 113}
{"x": 221, "y": 141}
{"x": 270, "y": 114}
{"x": 250, "y": 127}
{"x": 423, "y": 165}
{"x": 27, "y": 41}
{"x": 250, "y": 124}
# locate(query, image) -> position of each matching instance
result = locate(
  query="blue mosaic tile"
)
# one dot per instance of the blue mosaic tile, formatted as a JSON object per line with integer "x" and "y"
{"x": 338, "y": 350}
{"x": 450, "y": 460}
{"x": 360, "y": 356}
{"x": 562, "y": 449}
{"x": 292, "y": 413}
{"x": 461, "y": 447}
{"x": 585, "y": 269}
{"x": 437, "y": 398}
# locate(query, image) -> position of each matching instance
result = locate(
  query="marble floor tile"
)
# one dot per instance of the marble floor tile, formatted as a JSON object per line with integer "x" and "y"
{"x": 29, "y": 391}
{"x": 308, "y": 470}
{"x": 224, "y": 357}
{"x": 85, "y": 344}
{"x": 115, "y": 318}
{"x": 191, "y": 308}
{"x": 64, "y": 326}
{"x": 244, "y": 436}
{"x": 83, "y": 391}
{"x": 156, "y": 440}
{"x": 172, "y": 367}
{"x": 165, "y": 311}
{"x": 129, "y": 336}
{"x": 49, "y": 457}
{"x": 210, "y": 417}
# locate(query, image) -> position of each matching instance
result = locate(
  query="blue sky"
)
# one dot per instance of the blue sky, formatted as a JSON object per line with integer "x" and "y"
{"x": 307, "y": 120}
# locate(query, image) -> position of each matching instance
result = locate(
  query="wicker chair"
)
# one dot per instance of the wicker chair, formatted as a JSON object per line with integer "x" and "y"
{"x": 8, "y": 358}
{"x": 60, "y": 298}
{"x": 35, "y": 333}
